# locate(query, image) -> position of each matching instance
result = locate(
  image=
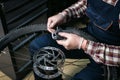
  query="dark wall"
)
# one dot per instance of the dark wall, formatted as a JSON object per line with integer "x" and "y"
{"x": 55, "y": 6}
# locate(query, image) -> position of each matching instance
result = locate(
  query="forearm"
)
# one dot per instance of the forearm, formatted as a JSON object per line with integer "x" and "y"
{"x": 102, "y": 53}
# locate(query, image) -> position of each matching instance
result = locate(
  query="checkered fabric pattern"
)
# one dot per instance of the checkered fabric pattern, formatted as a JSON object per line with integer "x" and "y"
{"x": 96, "y": 50}
{"x": 102, "y": 53}
{"x": 78, "y": 9}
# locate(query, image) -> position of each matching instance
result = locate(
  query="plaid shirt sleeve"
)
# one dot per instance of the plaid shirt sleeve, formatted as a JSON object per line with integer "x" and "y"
{"x": 76, "y": 10}
{"x": 102, "y": 53}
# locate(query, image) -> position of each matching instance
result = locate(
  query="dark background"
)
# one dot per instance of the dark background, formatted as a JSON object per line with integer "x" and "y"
{"x": 19, "y": 13}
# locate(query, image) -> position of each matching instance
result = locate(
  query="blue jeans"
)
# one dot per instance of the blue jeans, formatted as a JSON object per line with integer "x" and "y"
{"x": 92, "y": 71}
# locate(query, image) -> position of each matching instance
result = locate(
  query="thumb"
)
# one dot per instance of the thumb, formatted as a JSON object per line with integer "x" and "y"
{"x": 64, "y": 34}
{"x": 61, "y": 42}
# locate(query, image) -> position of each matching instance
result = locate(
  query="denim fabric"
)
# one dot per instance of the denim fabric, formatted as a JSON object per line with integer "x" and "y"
{"x": 99, "y": 27}
{"x": 102, "y": 14}
{"x": 92, "y": 69}
{"x": 104, "y": 20}
{"x": 46, "y": 40}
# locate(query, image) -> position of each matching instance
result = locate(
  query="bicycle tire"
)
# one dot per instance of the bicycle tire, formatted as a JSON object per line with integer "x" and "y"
{"x": 14, "y": 34}
{"x": 81, "y": 33}
{"x": 36, "y": 28}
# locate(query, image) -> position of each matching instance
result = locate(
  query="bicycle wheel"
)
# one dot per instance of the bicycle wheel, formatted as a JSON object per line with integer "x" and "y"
{"x": 16, "y": 36}
{"x": 18, "y": 41}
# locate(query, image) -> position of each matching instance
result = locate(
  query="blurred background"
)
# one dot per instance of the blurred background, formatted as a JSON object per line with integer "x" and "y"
{"x": 19, "y": 13}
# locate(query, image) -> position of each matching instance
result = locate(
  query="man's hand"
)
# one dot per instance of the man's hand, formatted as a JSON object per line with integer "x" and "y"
{"x": 72, "y": 41}
{"x": 55, "y": 21}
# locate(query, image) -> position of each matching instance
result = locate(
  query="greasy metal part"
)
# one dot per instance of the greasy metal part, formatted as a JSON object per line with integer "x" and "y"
{"x": 47, "y": 61}
{"x": 8, "y": 38}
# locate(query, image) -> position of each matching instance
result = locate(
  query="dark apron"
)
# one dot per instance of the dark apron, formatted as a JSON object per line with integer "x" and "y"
{"x": 104, "y": 26}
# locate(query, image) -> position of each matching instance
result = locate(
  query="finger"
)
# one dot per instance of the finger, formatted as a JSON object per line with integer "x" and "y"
{"x": 50, "y": 26}
{"x": 61, "y": 42}
{"x": 49, "y": 22}
{"x": 64, "y": 34}
{"x": 51, "y": 30}
{"x": 53, "y": 24}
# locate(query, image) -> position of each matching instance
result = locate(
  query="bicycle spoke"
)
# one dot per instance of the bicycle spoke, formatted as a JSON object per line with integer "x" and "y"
{"x": 17, "y": 53}
{"x": 21, "y": 54}
{"x": 46, "y": 56}
{"x": 8, "y": 65}
{"x": 22, "y": 59}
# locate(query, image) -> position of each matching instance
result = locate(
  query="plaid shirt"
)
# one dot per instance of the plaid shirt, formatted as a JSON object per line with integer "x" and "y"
{"x": 101, "y": 53}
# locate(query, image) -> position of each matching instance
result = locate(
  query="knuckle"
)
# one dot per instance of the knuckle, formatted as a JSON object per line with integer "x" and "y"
{"x": 67, "y": 46}
{"x": 48, "y": 19}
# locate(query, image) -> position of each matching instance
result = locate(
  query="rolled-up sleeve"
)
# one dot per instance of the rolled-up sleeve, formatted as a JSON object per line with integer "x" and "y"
{"x": 103, "y": 53}
{"x": 76, "y": 10}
